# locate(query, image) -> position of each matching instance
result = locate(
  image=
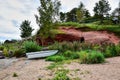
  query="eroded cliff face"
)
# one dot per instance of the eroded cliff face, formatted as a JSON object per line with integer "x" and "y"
{"x": 72, "y": 34}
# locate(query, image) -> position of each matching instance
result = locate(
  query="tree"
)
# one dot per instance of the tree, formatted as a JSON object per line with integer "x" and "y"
{"x": 71, "y": 16}
{"x": 26, "y": 29}
{"x": 116, "y": 13}
{"x": 82, "y": 12}
{"x": 62, "y": 16}
{"x": 87, "y": 14}
{"x": 101, "y": 9}
{"x": 48, "y": 14}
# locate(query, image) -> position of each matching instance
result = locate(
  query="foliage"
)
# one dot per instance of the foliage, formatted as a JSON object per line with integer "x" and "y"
{"x": 61, "y": 75}
{"x": 31, "y": 46}
{"x": 70, "y": 55}
{"x": 64, "y": 46}
{"x": 26, "y": 29}
{"x": 19, "y": 53}
{"x": 101, "y": 8}
{"x": 108, "y": 52}
{"x": 55, "y": 65}
{"x": 48, "y": 11}
{"x": 91, "y": 57}
{"x": 1, "y": 48}
{"x": 15, "y": 74}
{"x": 117, "y": 47}
{"x": 112, "y": 50}
{"x": 62, "y": 16}
{"x": 94, "y": 26}
{"x": 5, "y": 52}
{"x": 71, "y": 16}
{"x": 55, "y": 58}
{"x": 116, "y": 13}
{"x": 80, "y": 12}
{"x": 77, "y": 14}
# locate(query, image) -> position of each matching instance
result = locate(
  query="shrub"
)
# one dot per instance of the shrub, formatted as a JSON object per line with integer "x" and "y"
{"x": 31, "y": 46}
{"x": 70, "y": 55}
{"x": 1, "y": 48}
{"x": 19, "y": 53}
{"x": 91, "y": 57}
{"x": 73, "y": 46}
{"x": 55, "y": 58}
{"x": 113, "y": 50}
{"x": 15, "y": 75}
{"x": 5, "y": 52}
{"x": 117, "y": 49}
{"x": 108, "y": 52}
{"x": 55, "y": 65}
{"x": 61, "y": 75}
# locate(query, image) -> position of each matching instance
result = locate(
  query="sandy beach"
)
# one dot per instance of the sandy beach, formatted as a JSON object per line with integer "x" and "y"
{"x": 35, "y": 69}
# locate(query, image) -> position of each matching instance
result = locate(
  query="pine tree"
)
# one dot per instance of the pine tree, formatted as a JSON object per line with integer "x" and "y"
{"x": 26, "y": 29}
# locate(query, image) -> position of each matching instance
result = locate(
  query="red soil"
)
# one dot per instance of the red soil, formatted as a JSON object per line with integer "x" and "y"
{"x": 72, "y": 34}
{"x": 92, "y": 36}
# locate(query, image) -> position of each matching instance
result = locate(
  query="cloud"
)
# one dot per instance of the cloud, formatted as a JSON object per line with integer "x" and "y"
{"x": 67, "y": 5}
{"x": 12, "y": 13}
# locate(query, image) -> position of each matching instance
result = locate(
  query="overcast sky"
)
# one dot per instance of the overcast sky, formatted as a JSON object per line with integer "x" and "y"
{"x": 13, "y": 12}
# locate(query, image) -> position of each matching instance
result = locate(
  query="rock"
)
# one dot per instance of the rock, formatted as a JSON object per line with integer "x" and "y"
{"x": 1, "y": 55}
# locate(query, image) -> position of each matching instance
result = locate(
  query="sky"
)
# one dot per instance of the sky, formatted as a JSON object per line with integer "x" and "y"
{"x": 13, "y": 12}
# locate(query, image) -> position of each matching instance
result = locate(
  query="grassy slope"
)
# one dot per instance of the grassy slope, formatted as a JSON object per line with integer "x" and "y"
{"x": 110, "y": 28}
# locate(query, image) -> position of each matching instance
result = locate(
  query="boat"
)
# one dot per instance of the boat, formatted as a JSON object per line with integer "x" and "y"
{"x": 41, "y": 54}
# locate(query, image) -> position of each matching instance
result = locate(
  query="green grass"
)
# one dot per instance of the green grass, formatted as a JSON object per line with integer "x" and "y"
{"x": 93, "y": 26}
{"x": 91, "y": 57}
{"x": 31, "y": 46}
{"x": 12, "y": 46}
{"x": 57, "y": 31}
{"x": 56, "y": 58}
{"x": 55, "y": 65}
{"x": 15, "y": 74}
{"x": 61, "y": 75}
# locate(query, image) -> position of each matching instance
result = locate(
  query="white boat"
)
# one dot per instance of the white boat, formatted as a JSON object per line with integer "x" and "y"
{"x": 41, "y": 54}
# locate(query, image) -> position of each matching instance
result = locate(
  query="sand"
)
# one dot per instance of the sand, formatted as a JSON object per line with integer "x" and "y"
{"x": 35, "y": 69}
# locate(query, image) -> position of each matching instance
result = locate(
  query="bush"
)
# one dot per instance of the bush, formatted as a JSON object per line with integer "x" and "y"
{"x": 70, "y": 55}
{"x": 5, "y": 52}
{"x": 55, "y": 58}
{"x": 19, "y": 53}
{"x": 31, "y": 46}
{"x": 1, "y": 48}
{"x": 117, "y": 49}
{"x": 108, "y": 52}
{"x": 15, "y": 75}
{"x": 91, "y": 57}
{"x": 112, "y": 50}
{"x": 73, "y": 46}
{"x": 61, "y": 75}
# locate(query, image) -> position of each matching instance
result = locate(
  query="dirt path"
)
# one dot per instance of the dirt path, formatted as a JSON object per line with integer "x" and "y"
{"x": 93, "y": 36}
{"x": 35, "y": 69}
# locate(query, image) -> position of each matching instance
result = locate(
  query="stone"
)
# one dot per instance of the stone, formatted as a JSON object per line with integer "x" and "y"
{"x": 1, "y": 55}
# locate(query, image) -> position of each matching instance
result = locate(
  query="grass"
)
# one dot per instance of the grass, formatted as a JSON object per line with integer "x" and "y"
{"x": 91, "y": 57}
{"x": 56, "y": 58}
{"x": 56, "y": 31}
{"x": 15, "y": 74}
{"x": 55, "y": 65}
{"x": 110, "y": 28}
{"x": 31, "y": 46}
{"x": 61, "y": 75}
